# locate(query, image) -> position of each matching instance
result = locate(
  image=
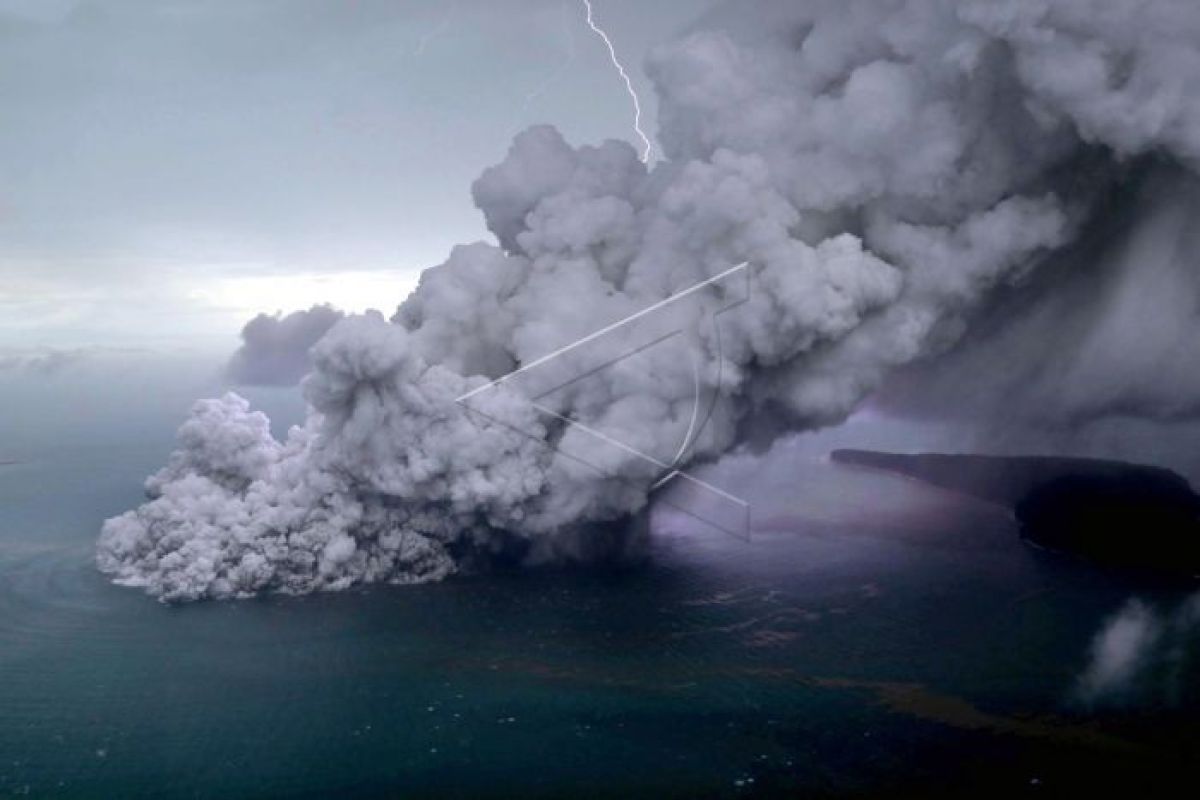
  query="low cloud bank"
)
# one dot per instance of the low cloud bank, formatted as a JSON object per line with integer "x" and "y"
{"x": 889, "y": 170}
{"x": 48, "y": 362}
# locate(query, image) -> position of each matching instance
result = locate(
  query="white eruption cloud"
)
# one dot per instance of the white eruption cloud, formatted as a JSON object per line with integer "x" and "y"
{"x": 885, "y": 167}
{"x": 275, "y": 348}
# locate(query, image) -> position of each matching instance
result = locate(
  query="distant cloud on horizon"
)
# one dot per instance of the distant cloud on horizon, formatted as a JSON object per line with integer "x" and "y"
{"x": 47, "y": 362}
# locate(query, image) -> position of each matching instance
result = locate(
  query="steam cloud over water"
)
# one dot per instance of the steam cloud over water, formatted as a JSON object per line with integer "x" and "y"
{"x": 1141, "y": 655}
{"x": 886, "y": 168}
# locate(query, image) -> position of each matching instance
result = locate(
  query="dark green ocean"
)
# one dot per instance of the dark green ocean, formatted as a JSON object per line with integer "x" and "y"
{"x": 922, "y": 651}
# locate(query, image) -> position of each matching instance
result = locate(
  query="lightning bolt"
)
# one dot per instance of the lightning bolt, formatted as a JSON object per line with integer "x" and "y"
{"x": 437, "y": 30}
{"x": 568, "y": 59}
{"x": 612, "y": 54}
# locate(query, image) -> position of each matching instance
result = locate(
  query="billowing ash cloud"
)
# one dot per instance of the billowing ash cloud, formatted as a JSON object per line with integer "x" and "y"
{"x": 885, "y": 167}
{"x": 1110, "y": 328}
{"x": 274, "y": 349}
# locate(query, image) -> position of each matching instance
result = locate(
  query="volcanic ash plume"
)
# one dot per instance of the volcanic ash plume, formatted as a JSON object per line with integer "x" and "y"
{"x": 274, "y": 349}
{"x": 883, "y": 167}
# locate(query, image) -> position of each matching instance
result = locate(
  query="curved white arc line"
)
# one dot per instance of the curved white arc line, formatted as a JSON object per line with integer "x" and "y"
{"x": 691, "y": 429}
{"x": 672, "y": 473}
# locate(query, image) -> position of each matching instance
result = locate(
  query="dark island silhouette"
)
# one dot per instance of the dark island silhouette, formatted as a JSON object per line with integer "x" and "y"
{"x": 1110, "y": 512}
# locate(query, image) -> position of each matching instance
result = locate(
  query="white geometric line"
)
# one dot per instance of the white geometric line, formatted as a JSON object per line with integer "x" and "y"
{"x": 691, "y": 428}
{"x": 635, "y": 452}
{"x": 742, "y": 527}
{"x": 604, "y": 331}
{"x": 678, "y": 473}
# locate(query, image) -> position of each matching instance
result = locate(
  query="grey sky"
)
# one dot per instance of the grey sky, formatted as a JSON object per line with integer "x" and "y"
{"x": 169, "y": 167}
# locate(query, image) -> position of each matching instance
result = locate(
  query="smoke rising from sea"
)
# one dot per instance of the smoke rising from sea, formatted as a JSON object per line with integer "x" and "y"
{"x": 887, "y": 169}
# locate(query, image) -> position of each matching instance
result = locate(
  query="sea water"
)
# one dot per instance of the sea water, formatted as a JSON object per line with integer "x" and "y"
{"x": 881, "y": 637}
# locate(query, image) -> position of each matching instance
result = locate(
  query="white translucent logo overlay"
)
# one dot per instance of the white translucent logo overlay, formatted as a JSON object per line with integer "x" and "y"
{"x": 664, "y": 337}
